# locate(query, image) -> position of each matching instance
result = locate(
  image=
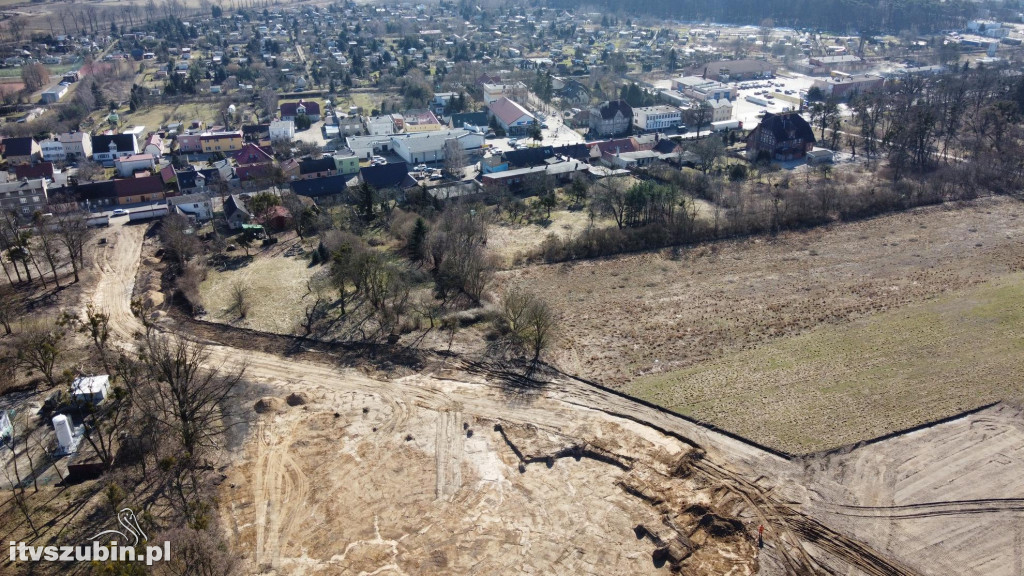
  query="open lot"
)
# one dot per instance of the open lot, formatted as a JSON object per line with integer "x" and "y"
{"x": 276, "y": 286}
{"x": 635, "y": 316}
{"x": 903, "y": 367}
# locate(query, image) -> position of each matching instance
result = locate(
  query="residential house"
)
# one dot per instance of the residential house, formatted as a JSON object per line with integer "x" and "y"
{"x": 537, "y": 155}
{"x": 92, "y": 194}
{"x": 154, "y": 145}
{"x": 611, "y": 118}
{"x": 253, "y": 163}
{"x": 52, "y": 150}
{"x": 126, "y": 166}
{"x": 235, "y": 213}
{"x": 322, "y": 187}
{"x": 282, "y": 130}
{"x": 291, "y": 110}
{"x": 190, "y": 181}
{"x": 574, "y": 94}
{"x": 77, "y": 145}
{"x": 107, "y": 147}
{"x": 494, "y": 92}
{"x": 780, "y": 137}
{"x": 317, "y": 168}
{"x": 277, "y": 218}
{"x": 136, "y": 190}
{"x": 349, "y": 125}
{"x": 387, "y": 176}
{"x": 34, "y": 171}
{"x": 513, "y": 118}
{"x": 222, "y": 142}
{"x": 346, "y": 161}
{"x": 23, "y": 150}
{"x": 417, "y": 121}
{"x": 379, "y": 125}
{"x": 198, "y": 206}
{"x": 23, "y": 196}
{"x": 190, "y": 143}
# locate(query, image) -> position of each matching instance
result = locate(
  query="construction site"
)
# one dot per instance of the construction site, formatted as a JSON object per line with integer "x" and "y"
{"x": 456, "y": 467}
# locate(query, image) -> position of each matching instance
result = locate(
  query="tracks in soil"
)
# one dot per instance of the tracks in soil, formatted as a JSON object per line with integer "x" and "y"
{"x": 448, "y": 454}
{"x": 280, "y": 489}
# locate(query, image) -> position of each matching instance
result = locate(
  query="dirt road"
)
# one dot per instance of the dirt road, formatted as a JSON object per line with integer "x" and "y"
{"x": 445, "y": 472}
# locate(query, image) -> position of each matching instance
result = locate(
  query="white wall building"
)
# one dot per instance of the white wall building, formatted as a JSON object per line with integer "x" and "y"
{"x": 651, "y": 118}
{"x": 198, "y": 205}
{"x": 430, "y": 146}
{"x": 52, "y": 150}
{"x": 282, "y": 130}
{"x": 128, "y": 165}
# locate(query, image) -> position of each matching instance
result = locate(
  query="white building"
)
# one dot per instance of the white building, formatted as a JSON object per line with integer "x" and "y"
{"x": 651, "y": 118}
{"x": 54, "y": 94}
{"x": 198, "y": 205}
{"x": 90, "y": 389}
{"x": 69, "y": 146}
{"x": 430, "y": 146}
{"x": 52, "y": 150}
{"x": 703, "y": 89}
{"x": 128, "y": 165}
{"x": 282, "y": 130}
{"x": 379, "y": 125}
{"x": 494, "y": 92}
{"x": 513, "y": 118}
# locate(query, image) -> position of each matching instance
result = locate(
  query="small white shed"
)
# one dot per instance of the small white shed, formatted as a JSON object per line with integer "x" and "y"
{"x": 92, "y": 389}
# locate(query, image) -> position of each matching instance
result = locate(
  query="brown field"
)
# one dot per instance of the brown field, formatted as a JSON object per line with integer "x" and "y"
{"x": 635, "y": 316}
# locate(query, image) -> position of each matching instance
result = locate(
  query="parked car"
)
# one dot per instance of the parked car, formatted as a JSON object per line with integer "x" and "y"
{"x": 120, "y": 212}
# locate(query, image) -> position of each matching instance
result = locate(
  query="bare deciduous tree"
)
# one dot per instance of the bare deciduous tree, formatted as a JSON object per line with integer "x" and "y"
{"x": 182, "y": 393}
{"x": 39, "y": 348}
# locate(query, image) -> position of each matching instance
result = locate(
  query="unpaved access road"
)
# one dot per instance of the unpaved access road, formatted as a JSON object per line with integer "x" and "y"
{"x": 445, "y": 472}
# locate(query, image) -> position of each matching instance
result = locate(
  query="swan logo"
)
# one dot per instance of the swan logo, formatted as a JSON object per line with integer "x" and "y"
{"x": 126, "y": 543}
{"x": 132, "y": 534}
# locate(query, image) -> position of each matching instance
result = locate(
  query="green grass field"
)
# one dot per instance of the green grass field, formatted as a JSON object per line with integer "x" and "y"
{"x": 846, "y": 383}
{"x": 55, "y": 70}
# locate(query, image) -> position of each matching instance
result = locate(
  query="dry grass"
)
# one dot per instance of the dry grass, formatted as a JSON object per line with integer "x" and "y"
{"x": 628, "y": 317}
{"x": 843, "y": 384}
{"x": 508, "y": 241}
{"x": 152, "y": 117}
{"x": 276, "y": 285}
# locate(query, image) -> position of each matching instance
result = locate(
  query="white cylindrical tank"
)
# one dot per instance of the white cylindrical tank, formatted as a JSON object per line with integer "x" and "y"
{"x": 231, "y": 108}
{"x": 62, "y": 426}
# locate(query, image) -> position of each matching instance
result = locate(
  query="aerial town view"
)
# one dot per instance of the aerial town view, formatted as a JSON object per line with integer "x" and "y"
{"x": 533, "y": 287}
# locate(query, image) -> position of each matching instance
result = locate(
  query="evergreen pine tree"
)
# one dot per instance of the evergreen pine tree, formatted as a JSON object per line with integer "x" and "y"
{"x": 417, "y": 242}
